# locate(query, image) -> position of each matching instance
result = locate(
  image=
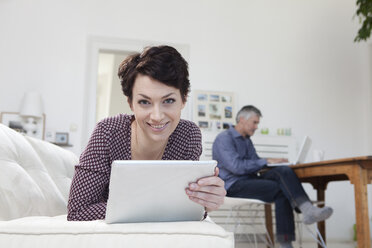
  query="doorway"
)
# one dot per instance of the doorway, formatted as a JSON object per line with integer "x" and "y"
{"x": 110, "y": 99}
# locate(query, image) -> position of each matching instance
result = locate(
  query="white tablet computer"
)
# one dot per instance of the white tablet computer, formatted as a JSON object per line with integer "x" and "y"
{"x": 154, "y": 190}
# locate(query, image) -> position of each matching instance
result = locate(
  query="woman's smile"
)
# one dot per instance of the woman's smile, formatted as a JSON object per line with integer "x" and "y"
{"x": 158, "y": 127}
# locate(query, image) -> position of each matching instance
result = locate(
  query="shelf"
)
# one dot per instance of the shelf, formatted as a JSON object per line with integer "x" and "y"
{"x": 63, "y": 145}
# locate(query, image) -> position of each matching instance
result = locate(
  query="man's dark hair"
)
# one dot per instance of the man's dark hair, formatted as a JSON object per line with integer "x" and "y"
{"x": 247, "y": 111}
{"x": 162, "y": 63}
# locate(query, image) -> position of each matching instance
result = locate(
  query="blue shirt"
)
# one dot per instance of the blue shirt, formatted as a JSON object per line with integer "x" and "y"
{"x": 236, "y": 156}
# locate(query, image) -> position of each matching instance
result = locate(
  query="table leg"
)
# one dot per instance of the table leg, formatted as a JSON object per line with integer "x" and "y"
{"x": 321, "y": 224}
{"x": 269, "y": 223}
{"x": 361, "y": 207}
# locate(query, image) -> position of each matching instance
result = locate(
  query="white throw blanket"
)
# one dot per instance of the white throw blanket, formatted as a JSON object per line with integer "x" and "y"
{"x": 35, "y": 178}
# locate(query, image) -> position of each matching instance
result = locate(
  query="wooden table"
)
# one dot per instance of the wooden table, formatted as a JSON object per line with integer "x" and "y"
{"x": 358, "y": 171}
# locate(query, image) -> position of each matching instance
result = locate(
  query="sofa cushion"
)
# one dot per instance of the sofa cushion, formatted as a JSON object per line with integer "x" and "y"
{"x": 57, "y": 232}
{"x": 35, "y": 176}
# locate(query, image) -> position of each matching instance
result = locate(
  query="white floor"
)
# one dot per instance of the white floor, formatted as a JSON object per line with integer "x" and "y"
{"x": 304, "y": 245}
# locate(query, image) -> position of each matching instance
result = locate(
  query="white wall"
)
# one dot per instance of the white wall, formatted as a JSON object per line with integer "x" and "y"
{"x": 295, "y": 60}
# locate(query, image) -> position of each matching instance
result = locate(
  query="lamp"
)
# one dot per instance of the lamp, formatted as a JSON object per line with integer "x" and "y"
{"x": 31, "y": 109}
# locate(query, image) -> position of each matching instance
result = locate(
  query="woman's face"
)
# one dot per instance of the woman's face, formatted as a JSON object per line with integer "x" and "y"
{"x": 157, "y": 108}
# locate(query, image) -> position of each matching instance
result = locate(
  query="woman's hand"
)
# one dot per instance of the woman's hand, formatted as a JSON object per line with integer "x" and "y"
{"x": 208, "y": 191}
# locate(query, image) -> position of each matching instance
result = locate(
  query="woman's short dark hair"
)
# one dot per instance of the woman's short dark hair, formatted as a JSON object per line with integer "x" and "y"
{"x": 162, "y": 63}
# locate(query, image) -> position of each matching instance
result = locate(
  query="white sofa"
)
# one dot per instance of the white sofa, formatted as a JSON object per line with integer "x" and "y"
{"x": 35, "y": 178}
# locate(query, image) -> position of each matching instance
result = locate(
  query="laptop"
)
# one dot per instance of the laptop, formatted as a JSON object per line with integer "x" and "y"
{"x": 154, "y": 190}
{"x": 301, "y": 156}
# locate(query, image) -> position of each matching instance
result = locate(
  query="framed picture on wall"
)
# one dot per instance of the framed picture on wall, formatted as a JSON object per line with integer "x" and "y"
{"x": 213, "y": 109}
{"x": 61, "y": 138}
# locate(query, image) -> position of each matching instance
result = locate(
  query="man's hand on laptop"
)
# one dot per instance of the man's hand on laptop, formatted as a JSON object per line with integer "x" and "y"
{"x": 208, "y": 191}
{"x": 277, "y": 160}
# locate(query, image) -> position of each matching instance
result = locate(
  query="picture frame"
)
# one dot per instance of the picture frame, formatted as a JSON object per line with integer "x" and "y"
{"x": 16, "y": 122}
{"x": 213, "y": 109}
{"x": 61, "y": 138}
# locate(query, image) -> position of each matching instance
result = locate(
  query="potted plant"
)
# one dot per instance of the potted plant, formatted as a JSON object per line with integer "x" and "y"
{"x": 364, "y": 12}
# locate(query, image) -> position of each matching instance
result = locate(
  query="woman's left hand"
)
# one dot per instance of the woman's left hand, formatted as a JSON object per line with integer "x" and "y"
{"x": 208, "y": 191}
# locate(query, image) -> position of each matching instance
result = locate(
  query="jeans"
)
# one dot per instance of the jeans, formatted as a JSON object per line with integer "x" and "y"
{"x": 280, "y": 185}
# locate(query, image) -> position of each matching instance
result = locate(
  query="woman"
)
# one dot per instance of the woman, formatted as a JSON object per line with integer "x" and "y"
{"x": 156, "y": 85}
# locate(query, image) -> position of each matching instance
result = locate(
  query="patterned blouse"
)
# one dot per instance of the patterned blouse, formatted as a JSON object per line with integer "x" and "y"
{"x": 111, "y": 140}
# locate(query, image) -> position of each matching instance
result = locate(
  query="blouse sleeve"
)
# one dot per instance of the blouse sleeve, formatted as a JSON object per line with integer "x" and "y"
{"x": 194, "y": 150}
{"x": 90, "y": 182}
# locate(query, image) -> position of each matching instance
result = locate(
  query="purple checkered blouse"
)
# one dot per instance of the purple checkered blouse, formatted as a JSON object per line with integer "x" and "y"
{"x": 111, "y": 140}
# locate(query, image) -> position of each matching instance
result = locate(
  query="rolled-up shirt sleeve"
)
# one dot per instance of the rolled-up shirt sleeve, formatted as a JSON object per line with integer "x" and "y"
{"x": 225, "y": 152}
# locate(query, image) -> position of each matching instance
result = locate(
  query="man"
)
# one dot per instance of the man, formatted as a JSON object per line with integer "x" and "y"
{"x": 239, "y": 165}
